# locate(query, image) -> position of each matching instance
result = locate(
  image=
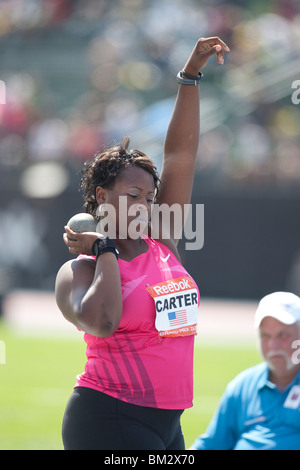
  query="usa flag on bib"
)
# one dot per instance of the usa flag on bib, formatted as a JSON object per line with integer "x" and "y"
{"x": 178, "y": 317}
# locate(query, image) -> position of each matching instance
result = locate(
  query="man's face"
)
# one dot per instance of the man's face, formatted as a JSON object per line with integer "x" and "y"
{"x": 276, "y": 341}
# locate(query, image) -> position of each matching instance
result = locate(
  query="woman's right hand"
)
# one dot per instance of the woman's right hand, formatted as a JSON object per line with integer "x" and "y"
{"x": 80, "y": 243}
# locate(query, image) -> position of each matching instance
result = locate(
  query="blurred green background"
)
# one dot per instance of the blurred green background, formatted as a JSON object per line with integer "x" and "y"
{"x": 76, "y": 75}
{"x": 39, "y": 375}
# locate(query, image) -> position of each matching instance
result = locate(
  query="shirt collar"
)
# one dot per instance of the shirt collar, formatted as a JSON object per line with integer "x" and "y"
{"x": 265, "y": 382}
{"x": 264, "y": 378}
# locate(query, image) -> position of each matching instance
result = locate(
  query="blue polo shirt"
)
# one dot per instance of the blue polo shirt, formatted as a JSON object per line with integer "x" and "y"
{"x": 251, "y": 416}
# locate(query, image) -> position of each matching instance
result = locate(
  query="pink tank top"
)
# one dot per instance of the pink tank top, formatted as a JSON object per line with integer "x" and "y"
{"x": 148, "y": 361}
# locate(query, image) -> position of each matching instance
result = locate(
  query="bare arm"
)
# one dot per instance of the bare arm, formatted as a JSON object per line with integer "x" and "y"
{"x": 182, "y": 138}
{"x": 89, "y": 293}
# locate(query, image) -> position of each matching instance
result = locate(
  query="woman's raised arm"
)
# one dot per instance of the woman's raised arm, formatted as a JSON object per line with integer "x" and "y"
{"x": 182, "y": 138}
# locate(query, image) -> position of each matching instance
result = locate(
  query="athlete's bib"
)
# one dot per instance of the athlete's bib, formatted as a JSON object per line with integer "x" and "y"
{"x": 176, "y": 305}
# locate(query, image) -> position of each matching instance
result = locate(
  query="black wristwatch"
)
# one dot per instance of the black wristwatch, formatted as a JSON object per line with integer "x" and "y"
{"x": 104, "y": 245}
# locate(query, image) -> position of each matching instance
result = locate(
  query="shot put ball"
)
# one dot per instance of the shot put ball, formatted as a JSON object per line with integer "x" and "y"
{"x": 82, "y": 222}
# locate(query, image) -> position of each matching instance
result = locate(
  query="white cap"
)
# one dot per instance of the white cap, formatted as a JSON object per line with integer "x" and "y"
{"x": 283, "y": 306}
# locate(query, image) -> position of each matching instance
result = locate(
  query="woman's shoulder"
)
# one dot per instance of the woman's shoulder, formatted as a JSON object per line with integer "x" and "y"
{"x": 76, "y": 267}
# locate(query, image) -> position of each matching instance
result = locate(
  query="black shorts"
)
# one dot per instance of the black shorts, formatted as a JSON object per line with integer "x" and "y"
{"x": 96, "y": 421}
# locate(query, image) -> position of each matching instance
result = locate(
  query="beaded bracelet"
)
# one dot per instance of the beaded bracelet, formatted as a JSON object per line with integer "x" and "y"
{"x": 186, "y": 79}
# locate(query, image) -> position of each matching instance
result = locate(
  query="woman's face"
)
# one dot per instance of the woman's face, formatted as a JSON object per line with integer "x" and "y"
{"x": 127, "y": 206}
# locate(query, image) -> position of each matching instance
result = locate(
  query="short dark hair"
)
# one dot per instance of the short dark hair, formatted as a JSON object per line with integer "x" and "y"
{"x": 105, "y": 167}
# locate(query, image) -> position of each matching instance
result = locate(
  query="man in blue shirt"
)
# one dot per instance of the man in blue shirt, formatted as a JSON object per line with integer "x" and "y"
{"x": 260, "y": 408}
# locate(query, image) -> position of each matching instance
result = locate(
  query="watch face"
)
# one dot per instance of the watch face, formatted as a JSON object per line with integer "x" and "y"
{"x": 104, "y": 244}
{"x": 101, "y": 243}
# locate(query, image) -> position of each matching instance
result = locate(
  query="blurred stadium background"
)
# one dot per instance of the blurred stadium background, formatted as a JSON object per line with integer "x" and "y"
{"x": 78, "y": 75}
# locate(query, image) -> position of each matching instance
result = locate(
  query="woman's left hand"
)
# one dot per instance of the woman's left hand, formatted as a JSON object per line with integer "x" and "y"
{"x": 203, "y": 50}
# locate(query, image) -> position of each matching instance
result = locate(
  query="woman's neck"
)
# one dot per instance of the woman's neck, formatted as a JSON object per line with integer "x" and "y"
{"x": 130, "y": 249}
